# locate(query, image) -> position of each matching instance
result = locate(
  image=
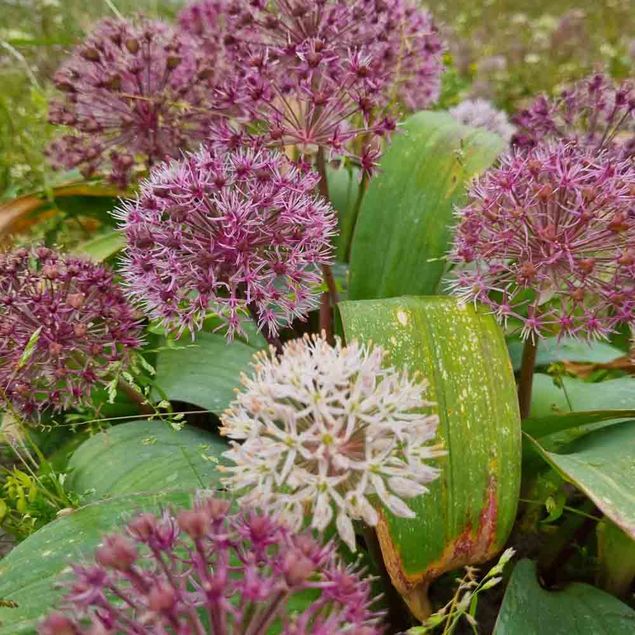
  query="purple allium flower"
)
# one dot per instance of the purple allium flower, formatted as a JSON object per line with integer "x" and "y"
{"x": 64, "y": 327}
{"x": 229, "y": 231}
{"x": 322, "y": 428}
{"x": 311, "y": 77}
{"x": 407, "y": 47}
{"x": 548, "y": 238}
{"x": 134, "y": 94}
{"x": 205, "y": 570}
{"x": 595, "y": 112}
{"x": 207, "y": 21}
{"x": 480, "y": 113}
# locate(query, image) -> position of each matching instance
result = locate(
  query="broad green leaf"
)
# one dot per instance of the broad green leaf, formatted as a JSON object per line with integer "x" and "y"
{"x": 578, "y": 609}
{"x": 29, "y": 573}
{"x": 553, "y": 424}
{"x": 102, "y": 247}
{"x": 602, "y": 465}
{"x": 566, "y": 349}
{"x": 145, "y": 456}
{"x": 403, "y": 232}
{"x": 575, "y": 395}
{"x": 205, "y": 372}
{"x": 468, "y": 513}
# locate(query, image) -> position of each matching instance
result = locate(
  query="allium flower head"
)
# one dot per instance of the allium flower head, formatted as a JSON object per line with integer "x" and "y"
{"x": 64, "y": 327}
{"x": 480, "y": 113}
{"x": 595, "y": 112}
{"x": 312, "y": 78}
{"x": 229, "y": 231}
{"x": 321, "y": 428}
{"x": 133, "y": 94}
{"x": 205, "y": 570}
{"x": 548, "y": 238}
{"x": 406, "y": 46}
{"x": 207, "y": 21}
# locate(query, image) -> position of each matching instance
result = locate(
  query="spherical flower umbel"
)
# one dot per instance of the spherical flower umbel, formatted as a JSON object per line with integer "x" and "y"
{"x": 407, "y": 47}
{"x": 206, "y": 570}
{"x": 229, "y": 231}
{"x": 320, "y": 429}
{"x": 133, "y": 94}
{"x": 480, "y": 113}
{"x": 64, "y": 327}
{"x": 207, "y": 22}
{"x": 595, "y": 112}
{"x": 311, "y": 77}
{"x": 548, "y": 238}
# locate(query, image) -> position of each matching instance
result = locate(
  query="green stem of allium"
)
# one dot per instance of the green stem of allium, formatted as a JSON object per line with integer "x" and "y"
{"x": 526, "y": 377}
{"x": 135, "y": 396}
{"x": 349, "y": 222}
{"x": 326, "y": 316}
{"x": 398, "y": 615}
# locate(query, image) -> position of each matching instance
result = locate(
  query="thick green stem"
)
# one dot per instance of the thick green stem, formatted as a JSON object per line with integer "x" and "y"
{"x": 526, "y": 377}
{"x": 349, "y": 222}
{"x": 326, "y": 316}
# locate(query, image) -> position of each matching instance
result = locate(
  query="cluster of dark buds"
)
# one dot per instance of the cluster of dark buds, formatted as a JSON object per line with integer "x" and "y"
{"x": 548, "y": 238}
{"x": 64, "y": 327}
{"x": 596, "y": 112}
{"x": 205, "y": 570}
{"x": 134, "y": 94}
{"x": 238, "y": 232}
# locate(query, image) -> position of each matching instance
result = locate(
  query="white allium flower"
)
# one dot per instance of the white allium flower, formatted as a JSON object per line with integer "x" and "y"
{"x": 320, "y": 429}
{"x": 480, "y": 113}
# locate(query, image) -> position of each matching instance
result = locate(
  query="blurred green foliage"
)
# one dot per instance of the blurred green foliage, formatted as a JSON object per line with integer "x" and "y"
{"x": 510, "y": 50}
{"x": 504, "y": 50}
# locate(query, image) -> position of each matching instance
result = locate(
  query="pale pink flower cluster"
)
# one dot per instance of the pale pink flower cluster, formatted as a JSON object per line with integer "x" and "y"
{"x": 480, "y": 113}
{"x": 323, "y": 429}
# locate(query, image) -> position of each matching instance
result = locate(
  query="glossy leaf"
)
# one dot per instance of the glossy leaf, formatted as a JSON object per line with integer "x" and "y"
{"x": 403, "y": 232}
{"x": 145, "y": 456}
{"x": 29, "y": 573}
{"x": 102, "y": 247}
{"x": 575, "y": 395}
{"x": 204, "y": 372}
{"x": 468, "y": 513}
{"x": 579, "y": 609}
{"x": 601, "y": 465}
{"x": 553, "y": 424}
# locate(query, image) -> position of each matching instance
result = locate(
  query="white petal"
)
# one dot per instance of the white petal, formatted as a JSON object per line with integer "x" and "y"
{"x": 345, "y": 529}
{"x": 322, "y": 513}
{"x": 405, "y": 487}
{"x": 398, "y": 507}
